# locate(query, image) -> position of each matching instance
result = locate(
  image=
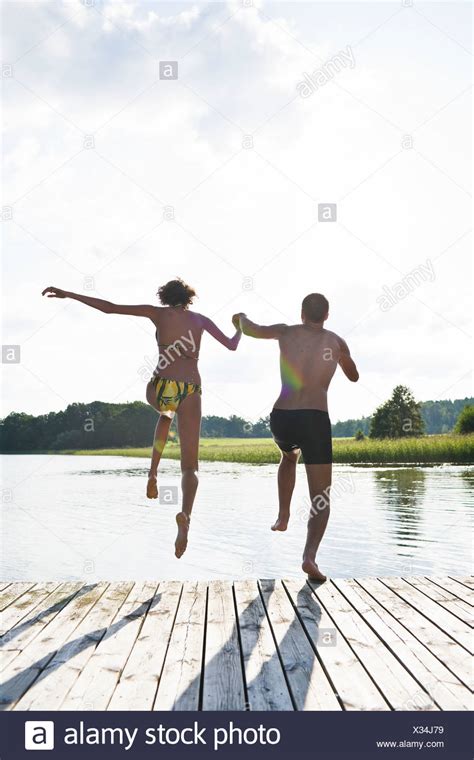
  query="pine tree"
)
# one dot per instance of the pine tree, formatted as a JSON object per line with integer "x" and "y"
{"x": 399, "y": 417}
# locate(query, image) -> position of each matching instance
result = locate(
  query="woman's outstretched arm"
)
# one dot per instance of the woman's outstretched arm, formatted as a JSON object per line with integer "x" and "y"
{"x": 107, "y": 307}
{"x": 212, "y": 329}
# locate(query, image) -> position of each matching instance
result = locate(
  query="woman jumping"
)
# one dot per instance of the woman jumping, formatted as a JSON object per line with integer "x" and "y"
{"x": 175, "y": 386}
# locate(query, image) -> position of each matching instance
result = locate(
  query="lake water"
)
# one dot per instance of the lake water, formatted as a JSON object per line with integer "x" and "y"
{"x": 75, "y": 517}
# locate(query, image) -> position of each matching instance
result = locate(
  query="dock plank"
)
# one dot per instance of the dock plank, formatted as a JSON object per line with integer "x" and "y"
{"x": 55, "y": 681}
{"x": 353, "y": 684}
{"x": 397, "y": 684}
{"x": 467, "y": 581}
{"x": 445, "y": 620}
{"x": 180, "y": 682}
{"x": 430, "y": 635}
{"x": 14, "y": 613}
{"x": 17, "y": 638}
{"x": 138, "y": 683}
{"x": 462, "y": 610}
{"x": 434, "y": 678}
{"x": 455, "y": 588}
{"x": 93, "y": 688}
{"x": 13, "y": 592}
{"x": 266, "y": 684}
{"x": 309, "y": 684}
{"x": 136, "y": 689}
{"x": 223, "y": 687}
{"x": 19, "y": 674}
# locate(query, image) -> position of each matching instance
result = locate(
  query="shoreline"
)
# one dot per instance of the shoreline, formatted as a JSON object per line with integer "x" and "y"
{"x": 446, "y": 448}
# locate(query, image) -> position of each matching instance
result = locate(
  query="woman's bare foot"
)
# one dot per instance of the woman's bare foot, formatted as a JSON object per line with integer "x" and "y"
{"x": 152, "y": 487}
{"x": 313, "y": 571}
{"x": 281, "y": 523}
{"x": 182, "y": 520}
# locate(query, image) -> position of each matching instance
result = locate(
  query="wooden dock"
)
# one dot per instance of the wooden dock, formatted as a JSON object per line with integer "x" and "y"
{"x": 363, "y": 644}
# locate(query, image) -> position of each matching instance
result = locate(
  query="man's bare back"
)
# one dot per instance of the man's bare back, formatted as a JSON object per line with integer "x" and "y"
{"x": 309, "y": 356}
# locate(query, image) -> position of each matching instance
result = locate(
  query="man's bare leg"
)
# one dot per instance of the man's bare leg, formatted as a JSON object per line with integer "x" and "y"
{"x": 286, "y": 485}
{"x": 159, "y": 442}
{"x": 189, "y": 427}
{"x": 319, "y": 483}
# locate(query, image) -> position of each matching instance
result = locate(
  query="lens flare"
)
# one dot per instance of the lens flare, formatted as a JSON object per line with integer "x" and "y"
{"x": 291, "y": 377}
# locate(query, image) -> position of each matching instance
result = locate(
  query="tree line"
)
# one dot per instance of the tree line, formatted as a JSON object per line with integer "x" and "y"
{"x": 103, "y": 425}
{"x": 437, "y": 417}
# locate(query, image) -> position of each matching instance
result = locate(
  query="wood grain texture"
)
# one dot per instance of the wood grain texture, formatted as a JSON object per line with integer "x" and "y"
{"x": 223, "y": 687}
{"x": 350, "y": 644}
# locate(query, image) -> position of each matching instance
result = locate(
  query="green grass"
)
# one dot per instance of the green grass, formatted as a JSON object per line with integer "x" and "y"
{"x": 429, "y": 449}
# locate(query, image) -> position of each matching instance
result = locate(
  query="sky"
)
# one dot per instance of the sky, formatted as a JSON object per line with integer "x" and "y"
{"x": 115, "y": 181}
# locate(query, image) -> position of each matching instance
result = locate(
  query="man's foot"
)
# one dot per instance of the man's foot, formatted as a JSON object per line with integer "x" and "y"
{"x": 181, "y": 542}
{"x": 314, "y": 573}
{"x": 281, "y": 522}
{"x": 152, "y": 487}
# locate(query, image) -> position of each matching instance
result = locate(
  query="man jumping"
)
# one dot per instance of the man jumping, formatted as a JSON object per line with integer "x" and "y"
{"x": 309, "y": 355}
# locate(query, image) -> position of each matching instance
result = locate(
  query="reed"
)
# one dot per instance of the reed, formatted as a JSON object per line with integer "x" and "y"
{"x": 428, "y": 449}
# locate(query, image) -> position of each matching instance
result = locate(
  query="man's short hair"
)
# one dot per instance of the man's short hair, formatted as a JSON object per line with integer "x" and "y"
{"x": 315, "y": 307}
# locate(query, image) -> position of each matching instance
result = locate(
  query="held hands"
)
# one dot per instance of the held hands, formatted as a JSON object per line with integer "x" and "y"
{"x": 54, "y": 292}
{"x": 236, "y": 320}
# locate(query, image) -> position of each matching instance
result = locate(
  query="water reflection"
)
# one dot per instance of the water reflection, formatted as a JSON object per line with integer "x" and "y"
{"x": 401, "y": 493}
{"x": 468, "y": 478}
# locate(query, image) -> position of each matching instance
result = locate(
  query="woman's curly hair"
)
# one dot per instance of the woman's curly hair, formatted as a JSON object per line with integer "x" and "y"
{"x": 176, "y": 293}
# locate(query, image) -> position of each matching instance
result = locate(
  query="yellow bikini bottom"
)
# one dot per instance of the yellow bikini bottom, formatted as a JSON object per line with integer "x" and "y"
{"x": 170, "y": 393}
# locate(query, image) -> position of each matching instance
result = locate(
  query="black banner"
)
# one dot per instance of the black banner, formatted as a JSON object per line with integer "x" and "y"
{"x": 331, "y": 735}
